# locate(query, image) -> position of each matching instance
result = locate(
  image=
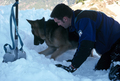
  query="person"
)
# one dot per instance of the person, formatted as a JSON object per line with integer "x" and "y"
{"x": 95, "y": 29}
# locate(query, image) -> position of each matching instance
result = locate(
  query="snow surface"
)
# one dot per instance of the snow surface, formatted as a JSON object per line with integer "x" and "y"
{"x": 38, "y": 67}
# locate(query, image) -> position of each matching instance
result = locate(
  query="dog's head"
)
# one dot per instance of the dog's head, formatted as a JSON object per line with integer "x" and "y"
{"x": 37, "y": 27}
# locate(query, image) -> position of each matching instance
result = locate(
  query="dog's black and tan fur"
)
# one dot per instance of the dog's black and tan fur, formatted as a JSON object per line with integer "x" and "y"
{"x": 56, "y": 37}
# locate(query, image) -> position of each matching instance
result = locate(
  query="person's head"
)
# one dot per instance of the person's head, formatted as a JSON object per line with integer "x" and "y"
{"x": 62, "y": 15}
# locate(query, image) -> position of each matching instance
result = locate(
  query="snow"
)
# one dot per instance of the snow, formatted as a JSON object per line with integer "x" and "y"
{"x": 38, "y": 67}
{"x": 115, "y": 8}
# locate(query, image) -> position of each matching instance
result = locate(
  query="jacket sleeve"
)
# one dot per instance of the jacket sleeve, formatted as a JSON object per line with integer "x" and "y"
{"x": 86, "y": 29}
{"x": 82, "y": 53}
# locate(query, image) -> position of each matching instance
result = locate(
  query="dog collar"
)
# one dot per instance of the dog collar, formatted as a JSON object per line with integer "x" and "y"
{"x": 45, "y": 28}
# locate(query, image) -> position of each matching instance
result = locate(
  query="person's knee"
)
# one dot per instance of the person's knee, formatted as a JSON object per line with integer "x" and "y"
{"x": 104, "y": 62}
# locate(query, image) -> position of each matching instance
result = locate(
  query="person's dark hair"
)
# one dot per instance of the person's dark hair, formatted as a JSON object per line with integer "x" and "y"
{"x": 61, "y": 10}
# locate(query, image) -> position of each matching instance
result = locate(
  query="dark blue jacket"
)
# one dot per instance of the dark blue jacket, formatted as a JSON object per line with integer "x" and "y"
{"x": 96, "y": 30}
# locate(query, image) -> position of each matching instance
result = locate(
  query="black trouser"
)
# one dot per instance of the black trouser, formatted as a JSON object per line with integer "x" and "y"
{"x": 113, "y": 54}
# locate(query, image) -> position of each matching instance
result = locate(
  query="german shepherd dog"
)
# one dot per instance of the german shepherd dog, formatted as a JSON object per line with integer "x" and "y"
{"x": 57, "y": 38}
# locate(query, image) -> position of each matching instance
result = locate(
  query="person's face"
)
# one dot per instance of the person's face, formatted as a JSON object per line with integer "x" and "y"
{"x": 65, "y": 23}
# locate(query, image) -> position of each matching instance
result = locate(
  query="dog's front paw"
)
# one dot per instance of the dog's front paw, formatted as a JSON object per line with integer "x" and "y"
{"x": 52, "y": 57}
{"x": 40, "y": 53}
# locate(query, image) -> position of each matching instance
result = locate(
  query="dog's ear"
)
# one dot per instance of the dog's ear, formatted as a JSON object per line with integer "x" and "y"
{"x": 30, "y": 21}
{"x": 43, "y": 19}
{"x": 41, "y": 22}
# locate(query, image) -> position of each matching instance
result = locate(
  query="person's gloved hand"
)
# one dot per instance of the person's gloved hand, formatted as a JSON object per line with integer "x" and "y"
{"x": 69, "y": 60}
{"x": 69, "y": 69}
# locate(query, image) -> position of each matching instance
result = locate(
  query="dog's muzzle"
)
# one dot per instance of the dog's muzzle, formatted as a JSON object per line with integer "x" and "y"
{"x": 38, "y": 40}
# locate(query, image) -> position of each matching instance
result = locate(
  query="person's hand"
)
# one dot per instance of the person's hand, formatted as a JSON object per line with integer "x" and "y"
{"x": 67, "y": 68}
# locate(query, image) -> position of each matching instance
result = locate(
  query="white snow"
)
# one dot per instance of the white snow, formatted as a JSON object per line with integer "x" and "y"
{"x": 115, "y": 8}
{"x": 38, "y": 67}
